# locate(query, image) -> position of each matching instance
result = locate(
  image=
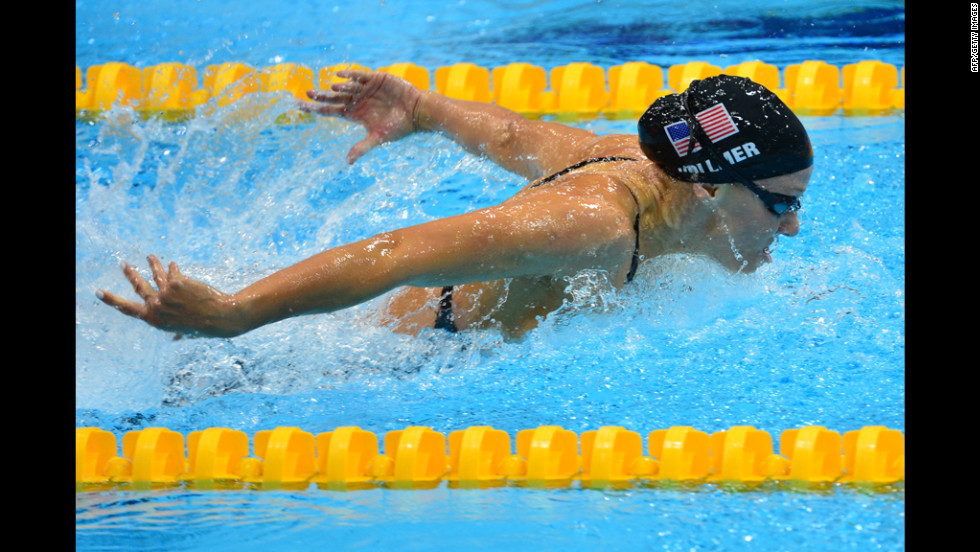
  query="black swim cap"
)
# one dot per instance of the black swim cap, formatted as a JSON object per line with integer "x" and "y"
{"x": 721, "y": 127}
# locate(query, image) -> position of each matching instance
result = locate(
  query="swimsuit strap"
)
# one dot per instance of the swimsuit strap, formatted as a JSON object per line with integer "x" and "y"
{"x": 635, "y": 263}
{"x": 445, "y": 320}
{"x": 579, "y": 165}
{"x": 444, "y": 316}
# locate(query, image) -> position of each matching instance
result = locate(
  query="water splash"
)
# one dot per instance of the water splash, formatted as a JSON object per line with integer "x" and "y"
{"x": 233, "y": 198}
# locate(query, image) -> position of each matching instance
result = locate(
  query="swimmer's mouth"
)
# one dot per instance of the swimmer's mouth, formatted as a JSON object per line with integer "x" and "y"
{"x": 767, "y": 251}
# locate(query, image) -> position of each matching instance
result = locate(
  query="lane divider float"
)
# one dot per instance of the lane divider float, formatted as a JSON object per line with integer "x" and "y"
{"x": 417, "y": 457}
{"x": 577, "y": 90}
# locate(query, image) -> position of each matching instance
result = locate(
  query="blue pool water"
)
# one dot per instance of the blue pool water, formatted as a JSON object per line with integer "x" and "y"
{"x": 816, "y": 338}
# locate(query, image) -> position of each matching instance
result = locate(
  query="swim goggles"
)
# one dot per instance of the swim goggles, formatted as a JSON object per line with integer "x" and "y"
{"x": 777, "y": 204}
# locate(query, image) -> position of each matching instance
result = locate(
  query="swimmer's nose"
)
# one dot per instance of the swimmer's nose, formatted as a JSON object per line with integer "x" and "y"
{"x": 789, "y": 224}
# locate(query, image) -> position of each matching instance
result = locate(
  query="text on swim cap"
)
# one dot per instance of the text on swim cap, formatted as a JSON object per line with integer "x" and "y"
{"x": 733, "y": 156}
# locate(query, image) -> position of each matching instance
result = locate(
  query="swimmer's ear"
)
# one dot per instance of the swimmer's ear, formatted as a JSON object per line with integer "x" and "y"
{"x": 705, "y": 191}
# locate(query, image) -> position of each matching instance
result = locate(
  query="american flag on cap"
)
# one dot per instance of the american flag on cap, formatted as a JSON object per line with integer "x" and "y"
{"x": 715, "y": 121}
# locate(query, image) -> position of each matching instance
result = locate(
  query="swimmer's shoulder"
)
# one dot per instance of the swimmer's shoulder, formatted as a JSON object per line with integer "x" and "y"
{"x": 614, "y": 145}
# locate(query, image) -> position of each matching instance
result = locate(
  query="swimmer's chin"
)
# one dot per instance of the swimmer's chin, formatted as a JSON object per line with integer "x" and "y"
{"x": 763, "y": 259}
{"x": 747, "y": 266}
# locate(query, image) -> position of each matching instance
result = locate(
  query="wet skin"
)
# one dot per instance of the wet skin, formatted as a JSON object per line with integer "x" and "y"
{"x": 509, "y": 262}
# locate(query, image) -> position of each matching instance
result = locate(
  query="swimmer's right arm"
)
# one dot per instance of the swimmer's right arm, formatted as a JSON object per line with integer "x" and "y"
{"x": 329, "y": 281}
{"x": 334, "y": 279}
{"x": 391, "y": 108}
{"x": 524, "y": 236}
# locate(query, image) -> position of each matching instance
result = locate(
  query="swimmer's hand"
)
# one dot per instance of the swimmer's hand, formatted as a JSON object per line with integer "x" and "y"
{"x": 383, "y": 103}
{"x": 180, "y": 304}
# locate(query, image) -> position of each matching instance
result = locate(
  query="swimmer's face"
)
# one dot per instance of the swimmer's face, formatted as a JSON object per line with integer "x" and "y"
{"x": 745, "y": 229}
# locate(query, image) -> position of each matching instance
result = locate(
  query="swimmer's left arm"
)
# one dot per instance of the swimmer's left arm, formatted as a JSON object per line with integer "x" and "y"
{"x": 383, "y": 104}
{"x": 390, "y": 108}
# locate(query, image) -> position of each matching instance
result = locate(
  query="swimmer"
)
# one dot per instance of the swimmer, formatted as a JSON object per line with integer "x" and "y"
{"x": 717, "y": 171}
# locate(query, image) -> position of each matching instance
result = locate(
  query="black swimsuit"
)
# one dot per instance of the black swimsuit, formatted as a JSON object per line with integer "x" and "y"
{"x": 444, "y": 316}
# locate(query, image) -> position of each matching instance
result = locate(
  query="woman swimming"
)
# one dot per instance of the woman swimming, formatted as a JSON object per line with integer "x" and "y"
{"x": 717, "y": 171}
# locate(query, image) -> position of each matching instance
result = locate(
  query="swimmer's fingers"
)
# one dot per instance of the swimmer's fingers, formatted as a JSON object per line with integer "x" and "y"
{"x": 383, "y": 104}
{"x": 319, "y": 109}
{"x": 125, "y": 306}
{"x": 347, "y": 88}
{"x": 325, "y": 103}
{"x": 142, "y": 288}
{"x": 362, "y": 147}
{"x": 159, "y": 276}
{"x": 175, "y": 273}
{"x": 180, "y": 304}
{"x": 358, "y": 85}
{"x": 140, "y": 285}
{"x": 355, "y": 75}
{"x": 325, "y": 96}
